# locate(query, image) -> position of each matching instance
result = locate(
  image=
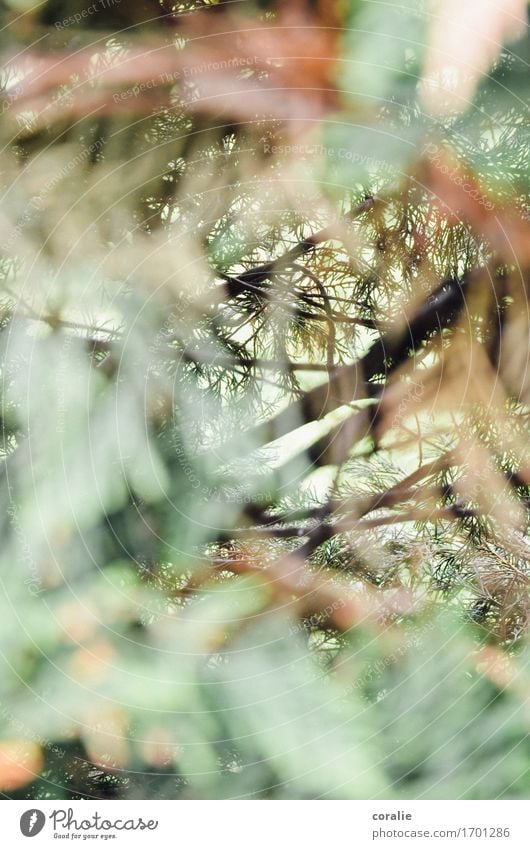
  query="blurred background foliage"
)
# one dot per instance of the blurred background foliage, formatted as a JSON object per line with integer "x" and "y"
{"x": 264, "y": 339}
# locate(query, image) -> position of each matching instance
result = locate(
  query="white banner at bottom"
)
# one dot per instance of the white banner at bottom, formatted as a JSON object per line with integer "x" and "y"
{"x": 266, "y": 825}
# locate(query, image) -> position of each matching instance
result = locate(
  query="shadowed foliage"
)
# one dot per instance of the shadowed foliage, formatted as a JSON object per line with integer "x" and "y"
{"x": 264, "y": 345}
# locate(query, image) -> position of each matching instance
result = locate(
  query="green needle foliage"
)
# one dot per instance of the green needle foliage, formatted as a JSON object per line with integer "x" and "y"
{"x": 264, "y": 348}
